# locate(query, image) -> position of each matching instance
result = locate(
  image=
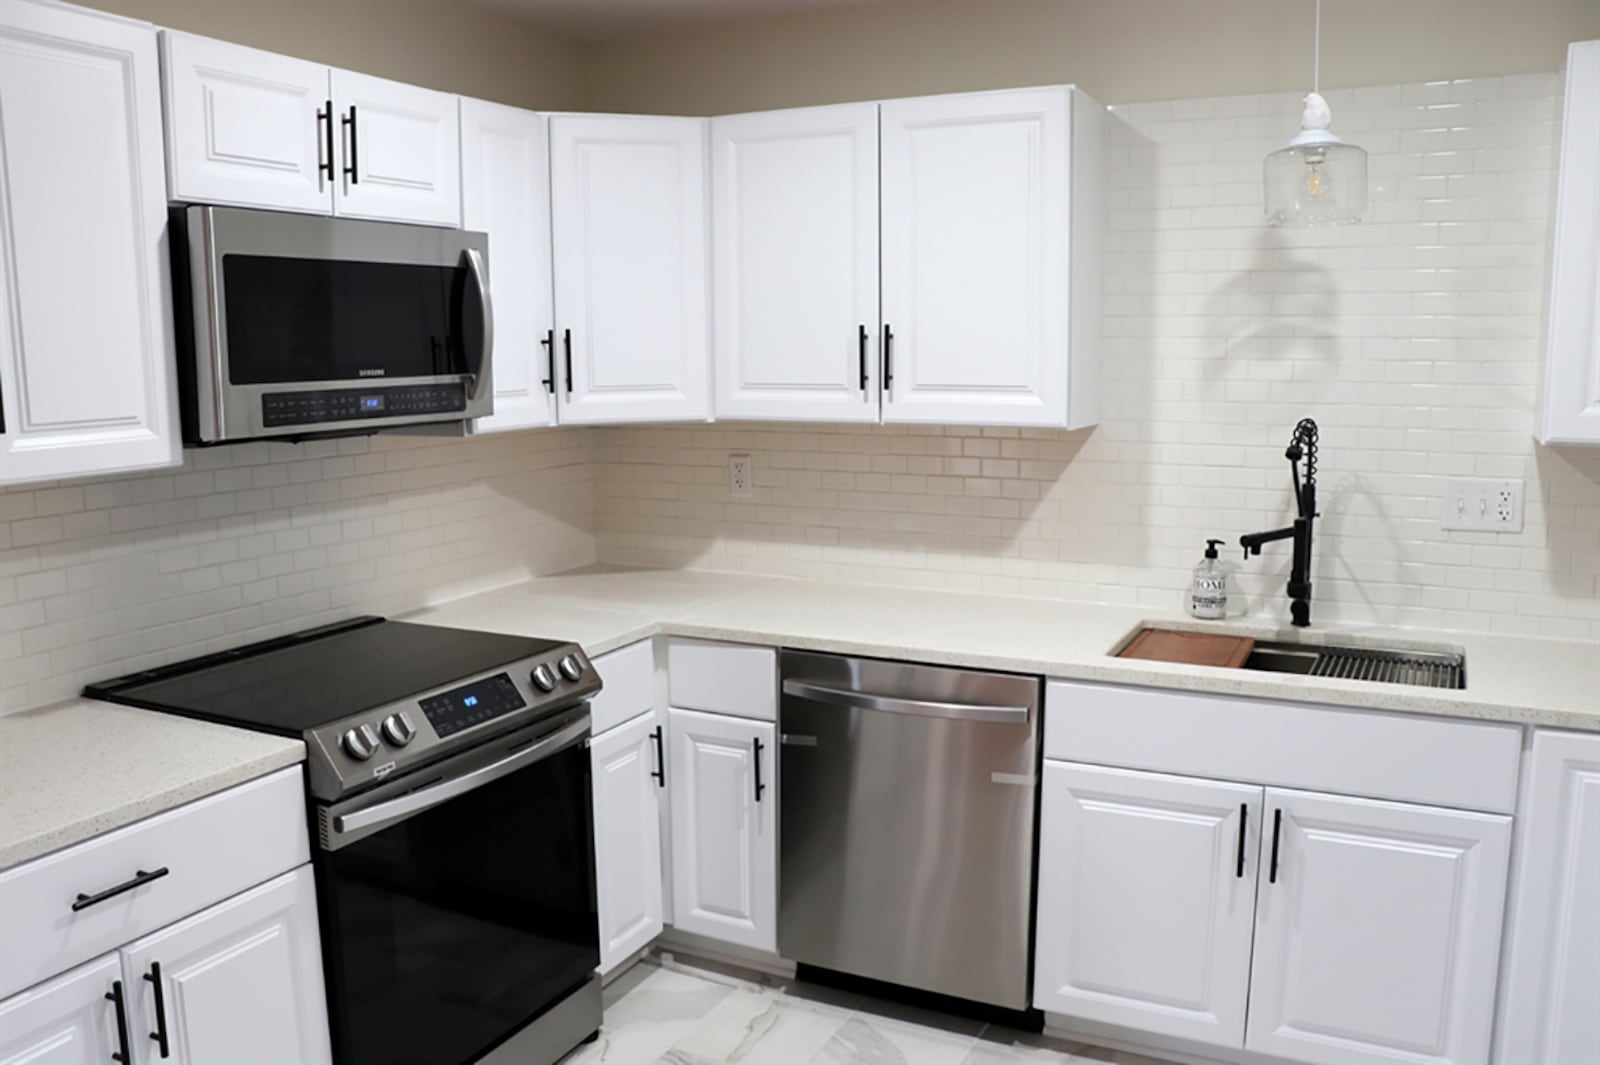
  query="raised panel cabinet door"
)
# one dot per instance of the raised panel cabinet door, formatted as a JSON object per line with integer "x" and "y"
{"x": 505, "y": 192}
{"x": 1146, "y": 900}
{"x": 241, "y": 981}
{"x": 794, "y": 205}
{"x": 975, "y": 258}
{"x": 1377, "y": 931}
{"x": 1572, "y": 368}
{"x": 628, "y": 780}
{"x": 246, "y": 127}
{"x": 1550, "y": 1005}
{"x": 724, "y": 838}
{"x": 399, "y": 151}
{"x": 65, "y": 1021}
{"x": 629, "y": 226}
{"x": 87, "y": 369}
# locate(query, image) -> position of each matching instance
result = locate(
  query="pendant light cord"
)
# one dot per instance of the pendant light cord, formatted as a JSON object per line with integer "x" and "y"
{"x": 1316, "y": 52}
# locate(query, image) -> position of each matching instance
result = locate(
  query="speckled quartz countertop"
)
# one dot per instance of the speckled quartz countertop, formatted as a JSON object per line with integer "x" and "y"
{"x": 1552, "y": 683}
{"x": 74, "y": 770}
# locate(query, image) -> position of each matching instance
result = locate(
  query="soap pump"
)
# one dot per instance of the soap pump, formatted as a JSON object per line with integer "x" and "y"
{"x": 1208, "y": 591}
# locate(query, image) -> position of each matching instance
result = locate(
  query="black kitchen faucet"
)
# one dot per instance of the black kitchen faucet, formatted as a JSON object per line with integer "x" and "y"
{"x": 1303, "y": 444}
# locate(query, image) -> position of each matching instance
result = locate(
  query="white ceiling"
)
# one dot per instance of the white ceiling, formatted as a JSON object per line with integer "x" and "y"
{"x": 597, "y": 19}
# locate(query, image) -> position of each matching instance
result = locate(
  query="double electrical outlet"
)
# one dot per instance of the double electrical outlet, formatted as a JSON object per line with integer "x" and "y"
{"x": 740, "y": 477}
{"x": 1477, "y": 504}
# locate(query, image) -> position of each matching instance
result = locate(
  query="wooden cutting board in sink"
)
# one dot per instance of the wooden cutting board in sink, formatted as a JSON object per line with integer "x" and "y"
{"x": 1190, "y": 648}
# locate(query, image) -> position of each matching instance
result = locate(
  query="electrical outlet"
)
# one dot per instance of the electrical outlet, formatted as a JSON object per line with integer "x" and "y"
{"x": 1477, "y": 504}
{"x": 739, "y": 476}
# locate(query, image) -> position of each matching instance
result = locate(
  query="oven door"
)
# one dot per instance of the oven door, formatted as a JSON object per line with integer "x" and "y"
{"x": 306, "y": 324}
{"x": 458, "y": 905}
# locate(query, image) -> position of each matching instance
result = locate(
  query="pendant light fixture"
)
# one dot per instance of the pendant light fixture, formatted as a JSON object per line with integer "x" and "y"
{"x": 1317, "y": 179}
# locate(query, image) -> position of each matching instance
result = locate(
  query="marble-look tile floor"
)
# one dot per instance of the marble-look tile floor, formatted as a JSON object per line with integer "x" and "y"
{"x": 669, "y": 1012}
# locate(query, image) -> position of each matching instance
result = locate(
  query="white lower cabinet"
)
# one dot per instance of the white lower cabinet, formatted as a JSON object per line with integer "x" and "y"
{"x": 1147, "y": 895}
{"x": 70, "y": 1020}
{"x": 724, "y": 828}
{"x": 241, "y": 981}
{"x": 628, "y": 781}
{"x": 1550, "y": 1003}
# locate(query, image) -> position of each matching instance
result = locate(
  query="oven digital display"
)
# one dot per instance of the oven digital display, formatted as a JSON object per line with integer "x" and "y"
{"x": 472, "y": 704}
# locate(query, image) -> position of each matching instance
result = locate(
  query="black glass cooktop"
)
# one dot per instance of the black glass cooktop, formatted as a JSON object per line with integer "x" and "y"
{"x": 296, "y": 683}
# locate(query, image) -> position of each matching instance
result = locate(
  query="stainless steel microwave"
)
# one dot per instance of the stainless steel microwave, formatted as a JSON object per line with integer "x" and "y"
{"x": 301, "y": 326}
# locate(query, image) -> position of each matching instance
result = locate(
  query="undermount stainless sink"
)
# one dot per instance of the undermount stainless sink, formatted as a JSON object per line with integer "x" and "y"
{"x": 1424, "y": 669}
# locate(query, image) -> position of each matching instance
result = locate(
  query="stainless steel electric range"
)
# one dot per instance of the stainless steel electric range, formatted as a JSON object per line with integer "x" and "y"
{"x": 449, "y": 783}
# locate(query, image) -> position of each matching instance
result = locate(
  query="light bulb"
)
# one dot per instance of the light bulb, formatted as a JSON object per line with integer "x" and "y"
{"x": 1316, "y": 180}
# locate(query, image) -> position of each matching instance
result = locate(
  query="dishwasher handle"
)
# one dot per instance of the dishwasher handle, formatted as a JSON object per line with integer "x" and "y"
{"x": 1001, "y": 715}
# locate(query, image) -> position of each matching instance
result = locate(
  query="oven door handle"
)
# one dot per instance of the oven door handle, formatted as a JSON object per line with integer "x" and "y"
{"x": 480, "y": 280}
{"x": 386, "y": 813}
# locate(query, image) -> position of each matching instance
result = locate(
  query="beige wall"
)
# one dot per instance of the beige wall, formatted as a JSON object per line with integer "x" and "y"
{"x": 1119, "y": 50}
{"x": 435, "y": 43}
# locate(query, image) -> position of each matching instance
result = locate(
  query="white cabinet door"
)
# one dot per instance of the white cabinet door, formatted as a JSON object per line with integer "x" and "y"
{"x": 505, "y": 192}
{"x": 628, "y": 778}
{"x": 1550, "y": 1006}
{"x": 65, "y": 1021}
{"x": 86, "y": 357}
{"x": 246, "y": 127}
{"x": 399, "y": 151}
{"x": 628, "y": 218}
{"x": 795, "y": 289}
{"x": 975, "y": 258}
{"x": 1146, "y": 901}
{"x": 241, "y": 981}
{"x": 724, "y": 835}
{"x": 1572, "y": 368}
{"x": 1377, "y": 932}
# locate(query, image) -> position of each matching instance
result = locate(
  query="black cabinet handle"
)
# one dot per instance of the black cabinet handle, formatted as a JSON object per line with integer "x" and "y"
{"x": 549, "y": 345}
{"x": 566, "y": 339}
{"x": 140, "y": 878}
{"x": 160, "y": 1034}
{"x": 1277, "y": 827}
{"x": 1244, "y": 818}
{"x": 760, "y": 787}
{"x": 325, "y": 130}
{"x": 863, "y": 345}
{"x": 888, "y": 357}
{"x": 115, "y": 997}
{"x": 660, "y": 773}
{"x": 349, "y": 122}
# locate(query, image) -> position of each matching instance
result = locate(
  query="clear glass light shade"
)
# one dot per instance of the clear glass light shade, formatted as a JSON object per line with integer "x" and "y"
{"x": 1316, "y": 182}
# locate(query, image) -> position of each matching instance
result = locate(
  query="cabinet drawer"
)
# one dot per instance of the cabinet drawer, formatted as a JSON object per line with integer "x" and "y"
{"x": 1407, "y": 757}
{"x": 629, "y": 678}
{"x": 723, "y": 678}
{"x": 211, "y": 849}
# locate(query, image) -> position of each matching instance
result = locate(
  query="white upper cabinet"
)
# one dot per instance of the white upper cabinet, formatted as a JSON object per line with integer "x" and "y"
{"x": 1377, "y": 932}
{"x": 629, "y": 775}
{"x": 1550, "y": 1004}
{"x": 1572, "y": 367}
{"x": 724, "y": 828}
{"x": 629, "y": 226}
{"x": 87, "y": 368}
{"x": 505, "y": 192}
{"x": 70, "y": 1020}
{"x": 400, "y": 151}
{"x": 795, "y": 241}
{"x": 247, "y": 127}
{"x": 1147, "y": 888}
{"x": 990, "y": 261}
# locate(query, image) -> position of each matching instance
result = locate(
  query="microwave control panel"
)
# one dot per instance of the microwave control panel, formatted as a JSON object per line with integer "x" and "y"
{"x": 355, "y": 404}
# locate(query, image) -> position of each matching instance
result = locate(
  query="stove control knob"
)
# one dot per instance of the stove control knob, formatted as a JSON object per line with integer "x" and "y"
{"x": 398, "y": 729}
{"x": 570, "y": 667}
{"x": 359, "y": 743}
{"x": 543, "y": 679}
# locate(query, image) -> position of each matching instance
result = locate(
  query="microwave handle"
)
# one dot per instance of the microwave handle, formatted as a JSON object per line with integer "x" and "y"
{"x": 481, "y": 278}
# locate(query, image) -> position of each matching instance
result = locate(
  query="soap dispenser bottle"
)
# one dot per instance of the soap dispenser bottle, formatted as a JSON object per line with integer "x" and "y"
{"x": 1208, "y": 590}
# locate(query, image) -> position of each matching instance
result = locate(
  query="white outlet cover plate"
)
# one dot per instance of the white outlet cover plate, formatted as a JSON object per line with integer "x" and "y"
{"x": 740, "y": 476}
{"x": 1478, "y": 504}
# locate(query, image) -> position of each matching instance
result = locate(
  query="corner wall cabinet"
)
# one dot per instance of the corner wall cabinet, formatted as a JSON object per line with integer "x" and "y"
{"x": 1572, "y": 361}
{"x": 249, "y": 128}
{"x": 87, "y": 368}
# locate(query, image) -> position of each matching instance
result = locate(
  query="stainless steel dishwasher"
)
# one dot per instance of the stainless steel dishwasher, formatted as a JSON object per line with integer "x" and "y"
{"x": 906, "y": 819}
